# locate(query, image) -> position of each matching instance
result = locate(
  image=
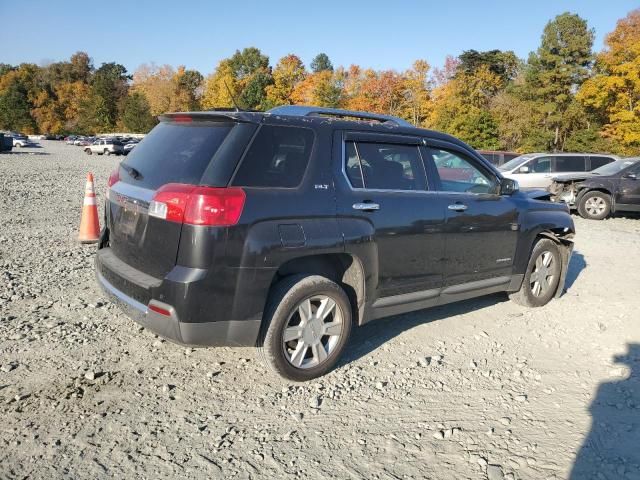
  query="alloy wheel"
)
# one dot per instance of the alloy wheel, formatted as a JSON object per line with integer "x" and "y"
{"x": 312, "y": 332}
{"x": 542, "y": 276}
{"x": 595, "y": 206}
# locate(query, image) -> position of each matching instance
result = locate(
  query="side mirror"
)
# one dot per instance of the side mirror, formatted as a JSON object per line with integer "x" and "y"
{"x": 523, "y": 170}
{"x": 509, "y": 186}
{"x": 631, "y": 176}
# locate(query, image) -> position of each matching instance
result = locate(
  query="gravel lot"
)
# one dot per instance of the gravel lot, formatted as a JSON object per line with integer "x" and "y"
{"x": 481, "y": 389}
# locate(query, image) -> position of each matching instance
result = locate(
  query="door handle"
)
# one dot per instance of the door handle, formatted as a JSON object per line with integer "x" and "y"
{"x": 366, "y": 206}
{"x": 458, "y": 207}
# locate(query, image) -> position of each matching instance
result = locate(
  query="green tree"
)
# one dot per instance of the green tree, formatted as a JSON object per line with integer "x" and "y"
{"x": 320, "y": 63}
{"x": 136, "y": 114}
{"x": 559, "y": 66}
{"x": 108, "y": 89}
{"x": 503, "y": 64}
{"x": 15, "y": 109}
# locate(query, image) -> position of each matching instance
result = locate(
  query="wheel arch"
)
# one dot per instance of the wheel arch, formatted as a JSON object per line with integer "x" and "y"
{"x": 343, "y": 268}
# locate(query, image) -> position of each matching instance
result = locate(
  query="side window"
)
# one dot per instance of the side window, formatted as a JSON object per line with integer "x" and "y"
{"x": 458, "y": 174}
{"x": 352, "y": 167}
{"x": 540, "y": 165}
{"x": 385, "y": 166}
{"x": 277, "y": 157}
{"x": 597, "y": 162}
{"x": 570, "y": 164}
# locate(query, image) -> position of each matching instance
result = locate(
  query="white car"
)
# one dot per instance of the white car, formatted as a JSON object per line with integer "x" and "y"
{"x": 536, "y": 170}
{"x": 104, "y": 146}
{"x": 21, "y": 141}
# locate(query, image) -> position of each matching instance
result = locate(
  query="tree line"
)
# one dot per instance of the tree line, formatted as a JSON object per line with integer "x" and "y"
{"x": 563, "y": 97}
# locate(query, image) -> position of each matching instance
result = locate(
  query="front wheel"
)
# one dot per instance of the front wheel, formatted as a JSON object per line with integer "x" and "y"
{"x": 595, "y": 205}
{"x": 88, "y": 151}
{"x": 308, "y": 323}
{"x": 542, "y": 276}
{"x": 107, "y": 152}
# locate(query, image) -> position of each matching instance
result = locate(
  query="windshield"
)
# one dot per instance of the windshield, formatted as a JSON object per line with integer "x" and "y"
{"x": 614, "y": 167}
{"x": 515, "y": 162}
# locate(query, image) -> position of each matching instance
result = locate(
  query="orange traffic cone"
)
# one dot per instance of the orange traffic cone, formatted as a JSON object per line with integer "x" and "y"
{"x": 89, "y": 223}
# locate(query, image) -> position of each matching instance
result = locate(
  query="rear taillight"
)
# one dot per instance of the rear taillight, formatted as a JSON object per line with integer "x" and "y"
{"x": 208, "y": 206}
{"x": 114, "y": 177}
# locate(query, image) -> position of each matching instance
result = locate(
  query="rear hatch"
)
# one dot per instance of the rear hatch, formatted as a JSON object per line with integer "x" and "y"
{"x": 181, "y": 151}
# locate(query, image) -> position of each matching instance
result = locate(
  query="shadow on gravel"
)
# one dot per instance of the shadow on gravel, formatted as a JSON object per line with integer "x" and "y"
{"x": 576, "y": 265}
{"x": 372, "y": 335}
{"x": 612, "y": 448}
{"x": 24, "y": 152}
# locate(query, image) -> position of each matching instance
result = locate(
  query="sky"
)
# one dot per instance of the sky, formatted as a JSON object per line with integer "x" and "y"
{"x": 198, "y": 34}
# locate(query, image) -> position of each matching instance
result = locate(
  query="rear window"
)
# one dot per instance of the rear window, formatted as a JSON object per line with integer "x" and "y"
{"x": 277, "y": 157}
{"x": 570, "y": 164}
{"x": 174, "y": 153}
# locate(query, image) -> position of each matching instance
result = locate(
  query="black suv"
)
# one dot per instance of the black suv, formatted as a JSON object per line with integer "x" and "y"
{"x": 283, "y": 229}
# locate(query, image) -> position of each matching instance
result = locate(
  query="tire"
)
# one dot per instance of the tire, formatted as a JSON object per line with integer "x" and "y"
{"x": 546, "y": 259}
{"x": 107, "y": 152}
{"x": 89, "y": 152}
{"x": 595, "y": 205}
{"x": 301, "y": 358}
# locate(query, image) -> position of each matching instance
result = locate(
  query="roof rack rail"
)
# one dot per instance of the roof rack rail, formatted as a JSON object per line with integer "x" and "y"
{"x": 307, "y": 111}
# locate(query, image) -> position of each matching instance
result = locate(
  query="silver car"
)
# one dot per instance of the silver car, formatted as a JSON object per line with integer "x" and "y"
{"x": 536, "y": 170}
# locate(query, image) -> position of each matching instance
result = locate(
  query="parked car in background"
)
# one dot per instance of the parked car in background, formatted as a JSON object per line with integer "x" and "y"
{"x": 497, "y": 157}
{"x": 70, "y": 139}
{"x": 130, "y": 145}
{"x": 536, "y": 170}
{"x": 283, "y": 230}
{"x": 20, "y": 140}
{"x": 615, "y": 187}
{"x": 104, "y": 146}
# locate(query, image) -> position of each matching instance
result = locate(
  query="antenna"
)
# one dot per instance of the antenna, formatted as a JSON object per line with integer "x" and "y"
{"x": 235, "y": 104}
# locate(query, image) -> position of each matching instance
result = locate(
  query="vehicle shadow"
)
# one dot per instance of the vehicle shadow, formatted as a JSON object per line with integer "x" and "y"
{"x": 576, "y": 265}
{"x": 612, "y": 448}
{"x": 24, "y": 152}
{"x": 372, "y": 335}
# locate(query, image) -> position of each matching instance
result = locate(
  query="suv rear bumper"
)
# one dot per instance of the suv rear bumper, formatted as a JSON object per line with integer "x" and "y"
{"x": 220, "y": 333}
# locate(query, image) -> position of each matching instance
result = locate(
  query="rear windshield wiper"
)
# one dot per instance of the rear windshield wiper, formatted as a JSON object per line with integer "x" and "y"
{"x": 133, "y": 173}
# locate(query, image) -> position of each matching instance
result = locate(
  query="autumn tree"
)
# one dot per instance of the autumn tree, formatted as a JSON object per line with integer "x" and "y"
{"x": 613, "y": 93}
{"x": 286, "y": 75}
{"x": 461, "y": 107}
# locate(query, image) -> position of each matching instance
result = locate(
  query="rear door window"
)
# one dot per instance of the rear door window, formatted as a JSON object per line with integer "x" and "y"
{"x": 540, "y": 165}
{"x": 597, "y": 162}
{"x": 278, "y": 158}
{"x": 174, "y": 153}
{"x": 570, "y": 164}
{"x": 384, "y": 166}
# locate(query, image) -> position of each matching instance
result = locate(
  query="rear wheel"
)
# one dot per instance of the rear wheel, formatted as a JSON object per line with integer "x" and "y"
{"x": 595, "y": 205}
{"x": 307, "y": 325}
{"x": 107, "y": 152}
{"x": 88, "y": 150}
{"x": 542, "y": 276}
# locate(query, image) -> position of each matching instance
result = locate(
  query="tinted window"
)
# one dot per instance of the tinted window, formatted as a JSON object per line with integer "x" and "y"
{"x": 352, "y": 167}
{"x": 597, "y": 162}
{"x": 539, "y": 165}
{"x": 570, "y": 164}
{"x": 277, "y": 157}
{"x": 174, "y": 153}
{"x": 385, "y": 166}
{"x": 458, "y": 174}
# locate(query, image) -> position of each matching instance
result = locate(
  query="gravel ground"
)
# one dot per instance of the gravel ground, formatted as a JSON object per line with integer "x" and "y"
{"x": 480, "y": 389}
